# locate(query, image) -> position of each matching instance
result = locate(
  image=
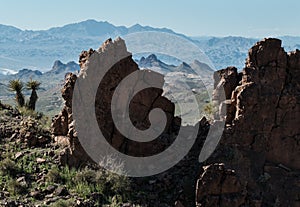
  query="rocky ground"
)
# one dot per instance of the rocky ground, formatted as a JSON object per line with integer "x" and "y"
{"x": 31, "y": 173}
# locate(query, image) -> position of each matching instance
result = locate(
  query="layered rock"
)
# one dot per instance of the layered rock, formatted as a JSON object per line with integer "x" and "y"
{"x": 261, "y": 142}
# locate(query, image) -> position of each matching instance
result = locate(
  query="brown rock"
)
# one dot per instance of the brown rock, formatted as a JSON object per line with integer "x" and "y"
{"x": 140, "y": 106}
{"x": 84, "y": 56}
{"x": 264, "y": 127}
{"x": 221, "y": 183}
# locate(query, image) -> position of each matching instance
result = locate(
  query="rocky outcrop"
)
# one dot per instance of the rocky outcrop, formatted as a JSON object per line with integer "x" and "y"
{"x": 139, "y": 109}
{"x": 225, "y": 82}
{"x": 261, "y": 141}
{"x": 84, "y": 56}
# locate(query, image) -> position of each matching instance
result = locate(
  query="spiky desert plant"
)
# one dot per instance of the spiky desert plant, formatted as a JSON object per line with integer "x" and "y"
{"x": 17, "y": 87}
{"x": 33, "y": 85}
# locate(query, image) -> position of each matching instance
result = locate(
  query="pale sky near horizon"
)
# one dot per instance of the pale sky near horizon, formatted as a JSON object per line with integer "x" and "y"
{"x": 255, "y": 18}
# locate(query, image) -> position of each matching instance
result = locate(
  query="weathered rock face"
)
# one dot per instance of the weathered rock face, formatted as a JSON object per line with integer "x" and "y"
{"x": 218, "y": 186}
{"x": 84, "y": 56}
{"x": 140, "y": 106}
{"x": 262, "y": 143}
{"x": 225, "y": 82}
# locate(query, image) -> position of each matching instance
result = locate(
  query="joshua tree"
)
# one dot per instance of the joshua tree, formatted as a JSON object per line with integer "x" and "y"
{"x": 33, "y": 86}
{"x": 17, "y": 86}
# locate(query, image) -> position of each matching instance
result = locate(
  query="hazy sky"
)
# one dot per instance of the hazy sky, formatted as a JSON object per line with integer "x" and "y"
{"x": 251, "y": 18}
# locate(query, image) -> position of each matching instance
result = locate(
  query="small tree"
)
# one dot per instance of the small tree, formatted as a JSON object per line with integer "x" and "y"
{"x": 33, "y": 86}
{"x": 17, "y": 87}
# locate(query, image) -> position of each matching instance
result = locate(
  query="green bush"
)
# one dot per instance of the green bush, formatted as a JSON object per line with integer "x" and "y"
{"x": 53, "y": 175}
{"x": 15, "y": 188}
{"x": 8, "y": 167}
{"x": 111, "y": 188}
{"x": 63, "y": 203}
{"x": 86, "y": 175}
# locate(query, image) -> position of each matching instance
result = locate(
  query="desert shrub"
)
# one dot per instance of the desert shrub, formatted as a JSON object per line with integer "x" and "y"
{"x": 116, "y": 184}
{"x": 28, "y": 163}
{"x": 53, "y": 175}
{"x": 67, "y": 175}
{"x": 86, "y": 175}
{"x": 15, "y": 188}
{"x": 8, "y": 167}
{"x": 25, "y": 111}
{"x": 63, "y": 203}
{"x": 85, "y": 182}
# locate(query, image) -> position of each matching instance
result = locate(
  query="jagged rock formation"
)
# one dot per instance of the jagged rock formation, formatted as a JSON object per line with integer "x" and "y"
{"x": 140, "y": 106}
{"x": 261, "y": 141}
{"x": 139, "y": 109}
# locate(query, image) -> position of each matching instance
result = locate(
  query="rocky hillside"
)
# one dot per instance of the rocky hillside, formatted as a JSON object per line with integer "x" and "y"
{"x": 255, "y": 164}
{"x": 32, "y": 171}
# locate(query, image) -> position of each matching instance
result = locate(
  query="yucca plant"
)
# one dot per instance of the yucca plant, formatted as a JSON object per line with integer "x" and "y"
{"x": 17, "y": 87}
{"x": 33, "y": 86}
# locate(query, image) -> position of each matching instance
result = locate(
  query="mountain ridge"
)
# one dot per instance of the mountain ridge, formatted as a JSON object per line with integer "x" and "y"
{"x": 40, "y": 48}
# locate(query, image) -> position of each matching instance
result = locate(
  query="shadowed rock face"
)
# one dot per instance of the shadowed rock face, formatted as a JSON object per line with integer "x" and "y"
{"x": 262, "y": 143}
{"x": 139, "y": 109}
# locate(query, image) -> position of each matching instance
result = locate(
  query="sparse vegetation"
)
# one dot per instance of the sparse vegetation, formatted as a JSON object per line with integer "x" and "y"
{"x": 25, "y": 179}
{"x": 209, "y": 110}
{"x": 63, "y": 203}
{"x": 17, "y": 86}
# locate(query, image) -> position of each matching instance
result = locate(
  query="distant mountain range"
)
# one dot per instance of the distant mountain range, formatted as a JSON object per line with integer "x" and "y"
{"x": 176, "y": 76}
{"x": 153, "y": 63}
{"x": 39, "y": 49}
{"x": 56, "y": 73}
{"x": 59, "y": 69}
